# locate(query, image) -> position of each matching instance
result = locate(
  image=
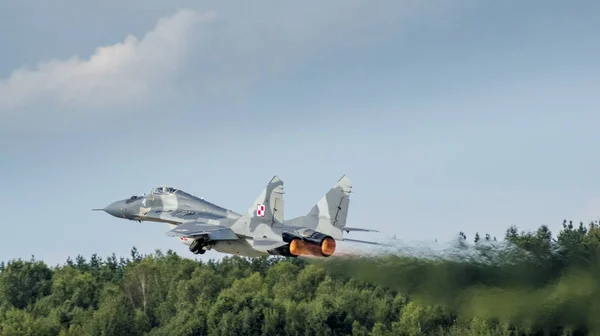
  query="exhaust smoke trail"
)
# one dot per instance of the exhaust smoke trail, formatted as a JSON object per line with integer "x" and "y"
{"x": 493, "y": 280}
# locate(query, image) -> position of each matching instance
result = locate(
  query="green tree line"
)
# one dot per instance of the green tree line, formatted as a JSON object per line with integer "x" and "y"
{"x": 542, "y": 285}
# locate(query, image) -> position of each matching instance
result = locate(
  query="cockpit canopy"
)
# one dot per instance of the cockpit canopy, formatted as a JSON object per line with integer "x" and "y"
{"x": 163, "y": 190}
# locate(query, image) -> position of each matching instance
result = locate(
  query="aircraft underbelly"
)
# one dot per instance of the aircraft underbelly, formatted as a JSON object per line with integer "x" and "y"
{"x": 156, "y": 219}
{"x": 185, "y": 240}
{"x": 241, "y": 247}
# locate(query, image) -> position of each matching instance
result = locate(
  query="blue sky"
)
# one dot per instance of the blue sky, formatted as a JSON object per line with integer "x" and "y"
{"x": 448, "y": 116}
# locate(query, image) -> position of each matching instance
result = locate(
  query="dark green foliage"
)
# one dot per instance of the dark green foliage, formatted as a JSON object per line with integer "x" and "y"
{"x": 545, "y": 287}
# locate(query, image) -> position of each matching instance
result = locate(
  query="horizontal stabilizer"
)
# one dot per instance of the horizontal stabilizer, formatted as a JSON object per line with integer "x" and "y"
{"x": 214, "y": 232}
{"x": 348, "y": 229}
{"x": 365, "y": 242}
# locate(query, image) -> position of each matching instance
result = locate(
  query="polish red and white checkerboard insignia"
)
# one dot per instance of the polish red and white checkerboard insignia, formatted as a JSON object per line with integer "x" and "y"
{"x": 260, "y": 210}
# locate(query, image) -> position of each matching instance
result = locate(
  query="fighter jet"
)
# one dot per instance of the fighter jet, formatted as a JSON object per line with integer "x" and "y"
{"x": 259, "y": 231}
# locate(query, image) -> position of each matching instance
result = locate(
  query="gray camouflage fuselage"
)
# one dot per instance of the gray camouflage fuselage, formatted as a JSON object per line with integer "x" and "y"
{"x": 260, "y": 231}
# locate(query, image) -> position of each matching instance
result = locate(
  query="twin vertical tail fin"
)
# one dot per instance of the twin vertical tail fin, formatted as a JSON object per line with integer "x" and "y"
{"x": 268, "y": 206}
{"x": 331, "y": 211}
{"x": 329, "y": 214}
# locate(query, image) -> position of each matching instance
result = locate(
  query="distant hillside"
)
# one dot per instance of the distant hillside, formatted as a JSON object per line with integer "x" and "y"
{"x": 546, "y": 285}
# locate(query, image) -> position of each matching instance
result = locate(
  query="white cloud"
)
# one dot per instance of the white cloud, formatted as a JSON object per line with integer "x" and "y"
{"x": 122, "y": 73}
{"x": 213, "y": 63}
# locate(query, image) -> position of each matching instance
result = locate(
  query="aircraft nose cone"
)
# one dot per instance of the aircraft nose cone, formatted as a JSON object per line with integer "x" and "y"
{"x": 115, "y": 209}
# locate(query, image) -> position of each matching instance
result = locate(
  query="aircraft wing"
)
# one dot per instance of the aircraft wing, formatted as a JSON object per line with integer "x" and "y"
{"x": 183, "y": 216}
{"x": 348, "y": 229}
{"x": 193, "y": 229}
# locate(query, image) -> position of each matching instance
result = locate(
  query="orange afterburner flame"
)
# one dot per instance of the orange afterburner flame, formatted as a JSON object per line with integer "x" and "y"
{"x": 299, "y": 247}
{"x": 328, "y": 247}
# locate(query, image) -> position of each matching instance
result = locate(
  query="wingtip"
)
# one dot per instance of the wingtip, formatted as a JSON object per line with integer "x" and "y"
{"x": 276, "y": 179}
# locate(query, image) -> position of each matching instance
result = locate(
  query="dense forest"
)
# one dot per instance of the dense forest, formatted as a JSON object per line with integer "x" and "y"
{"x": 529, "y": 283}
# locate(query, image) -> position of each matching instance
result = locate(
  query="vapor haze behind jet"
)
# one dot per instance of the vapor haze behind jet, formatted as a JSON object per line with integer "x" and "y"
{"x": 489, "y": 279}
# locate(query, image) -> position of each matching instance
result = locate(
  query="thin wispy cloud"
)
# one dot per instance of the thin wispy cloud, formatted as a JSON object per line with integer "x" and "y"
{"x": 122, "y": 73}
{"x": 244, "y": 47}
